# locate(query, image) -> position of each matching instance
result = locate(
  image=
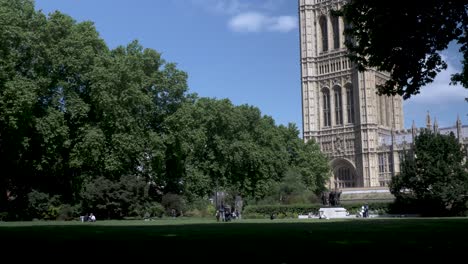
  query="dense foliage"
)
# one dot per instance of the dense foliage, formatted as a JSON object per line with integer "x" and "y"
{"x": 85, "y": 128}
{"x": 434, "y": 176}
{"x": 406, "y": 39}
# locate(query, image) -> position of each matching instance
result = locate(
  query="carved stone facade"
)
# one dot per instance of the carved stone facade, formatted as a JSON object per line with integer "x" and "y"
{"x": 361, "y": 132}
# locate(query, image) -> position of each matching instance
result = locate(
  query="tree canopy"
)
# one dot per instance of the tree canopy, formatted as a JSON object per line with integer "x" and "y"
{"x": 85, "y": 128}
{"x": 434, "y": 175}
{"x": 224, "y": 146}
{"x": 405, "y": 40}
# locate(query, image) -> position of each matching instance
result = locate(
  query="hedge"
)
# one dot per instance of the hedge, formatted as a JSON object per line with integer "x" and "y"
{"x": 374, "y": 207}
{"x": 257, "y": 211}
{"x": 292, "y": 211}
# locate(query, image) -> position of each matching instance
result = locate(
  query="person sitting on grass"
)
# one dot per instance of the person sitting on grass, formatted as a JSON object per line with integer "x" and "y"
{"x": 92, "y": 218}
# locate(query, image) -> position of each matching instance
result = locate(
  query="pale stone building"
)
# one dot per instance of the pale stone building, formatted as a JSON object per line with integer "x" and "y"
{"x": 361, "y": 132}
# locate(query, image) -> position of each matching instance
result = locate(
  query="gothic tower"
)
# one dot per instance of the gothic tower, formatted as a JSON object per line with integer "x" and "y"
{"x": 340, "y": 108}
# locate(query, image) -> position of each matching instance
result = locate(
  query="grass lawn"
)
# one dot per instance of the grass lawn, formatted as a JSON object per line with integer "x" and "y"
{"x": 278, "y": 240}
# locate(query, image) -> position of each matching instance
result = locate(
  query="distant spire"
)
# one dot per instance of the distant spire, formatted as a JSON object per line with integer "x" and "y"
{"x": 428, "y": 121}
{"x": 459, "y": 128}
{"x": 436, "y": 126}
{"x": 413, "y": 130}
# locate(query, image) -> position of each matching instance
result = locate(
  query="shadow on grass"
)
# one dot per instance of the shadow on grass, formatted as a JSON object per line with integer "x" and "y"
{"x": 278, "y": 241}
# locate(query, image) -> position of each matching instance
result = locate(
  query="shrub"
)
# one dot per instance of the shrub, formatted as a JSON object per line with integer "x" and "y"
{"x": 145, "y": 211}
{"x": 280, "y": 210}
{"x": 374, "y": 207}
{"x": 411, "y": 205}
{"x": 434, "y": 177}
{"x": 200, "y": 208}
{"x": 3, "y": 216}
{"x": 194, "y": 213}
{"x": 42, "y": 206}
{"x": 175, "y": 202}
{"x": 67, "y": 212}
{"x": 210, "y": 210}
{"x": 155, "y": 209}
{"x": 120, "y": 198}
{"x": 251, "y": 215}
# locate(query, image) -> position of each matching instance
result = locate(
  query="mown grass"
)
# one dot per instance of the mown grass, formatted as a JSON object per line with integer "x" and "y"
{"x": 278, "y": 240}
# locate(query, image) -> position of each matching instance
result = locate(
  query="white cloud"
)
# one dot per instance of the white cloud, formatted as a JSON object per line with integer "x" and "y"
{"x": 248, "y": 22}
{"x": 245, "y": 19}
{"x": 232, "y": 7}
{"x": 441, "y": 100}
{"x": 284, "y": 23}
{"x": 223, "y": 7}
{"x": 440, "y": 91}
{"x": 256, "y": 22}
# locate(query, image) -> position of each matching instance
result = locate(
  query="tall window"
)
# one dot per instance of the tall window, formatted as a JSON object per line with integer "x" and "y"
{"x": 385, "y": 168}
{"x": 326, "y": 108}
{"x": 350, "y": 104}
{"x": 338, "y": 106}
{"x": 382, "y": 164}
{"x": 336, "y": 32}
{"x": 401, "y": 157}
{"x": 377, "y": 108}
{"x": 382, "y": 110}
{"x": 324, "y": 31}
{"x": 389, "y": 110}
{"x": 347, "y": 26}
{"x": 390, "y": 162}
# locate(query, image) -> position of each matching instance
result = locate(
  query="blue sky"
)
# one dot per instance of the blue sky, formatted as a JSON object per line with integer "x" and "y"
{"x": 244, "y": 50}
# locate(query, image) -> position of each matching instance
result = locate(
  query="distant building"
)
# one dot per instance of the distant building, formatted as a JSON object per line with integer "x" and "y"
{"x": 360, "y": 131}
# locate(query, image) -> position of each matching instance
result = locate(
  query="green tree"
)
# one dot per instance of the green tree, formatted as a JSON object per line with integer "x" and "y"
{"x": 128, "y": 196}
{"x": 224, "y": 147}
{"x": 44, "y": 61}
{"x": 306, "y": 159}
{"x": 220, "y": 145}
{"x": 405, "y": 40}
{"x": 71, "y": 110}
{"x": 290, "y": 190}
{"x": 434, "y": 175}
{"x": 88, "y": 125}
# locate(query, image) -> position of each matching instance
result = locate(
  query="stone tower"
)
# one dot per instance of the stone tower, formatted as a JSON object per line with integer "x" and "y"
{"x": 340, "y": 108}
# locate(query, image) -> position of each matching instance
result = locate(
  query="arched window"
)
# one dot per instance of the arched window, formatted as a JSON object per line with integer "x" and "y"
{"x": 336, "y": 32}
{"x": 345, "y": 177}
{"x": 338, "y": 106}
{"x": 326, "y": 107}
{"x": 324, "y": 31}
{"x": 350, "y": 104}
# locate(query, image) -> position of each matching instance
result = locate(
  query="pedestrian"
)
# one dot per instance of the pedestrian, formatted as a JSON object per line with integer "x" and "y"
{"x": 221, "y": 212}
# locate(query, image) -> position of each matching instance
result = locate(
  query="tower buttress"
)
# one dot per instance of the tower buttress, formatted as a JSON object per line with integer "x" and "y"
{"x": 340, "y": 110}
{"x": 413, "y": 130}
{"x": 459, "y": 129}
